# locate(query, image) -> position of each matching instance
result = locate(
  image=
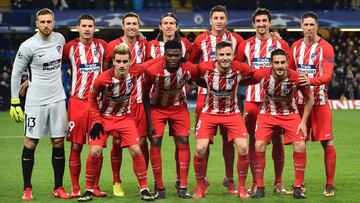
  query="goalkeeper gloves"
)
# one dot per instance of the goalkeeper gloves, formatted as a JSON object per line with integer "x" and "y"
{"x": 95, "y": 131}
{"x": 16, "y": 112}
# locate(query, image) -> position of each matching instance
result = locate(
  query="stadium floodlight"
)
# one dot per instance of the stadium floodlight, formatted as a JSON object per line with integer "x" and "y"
{"x": 293, "y": 29}
{"x": 244, "y": 30}
{"x": 193, "y": 29}
{"x": 350, "y": 29}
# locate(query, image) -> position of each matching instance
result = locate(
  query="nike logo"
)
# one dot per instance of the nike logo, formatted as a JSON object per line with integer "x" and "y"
{"x": 25, "y": 159}
{"x": 327, "y": 135}
{"x": 41, "y": 55}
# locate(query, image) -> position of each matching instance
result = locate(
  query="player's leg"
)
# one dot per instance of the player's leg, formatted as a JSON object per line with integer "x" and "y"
{"x": 299, "y": 158}
{"x": 27, "y": 163}
{"x": 321, "y": 118}
{"x": 278, "y": 156}
{"x": 56, "y": 127}
{"x": 140, "y": 122}
{"x": 75, "y": 168}
{"x": 116, "y": 159}
{"x": 200, "y": 167}
{"x": 228, "y": 152}
{"x": 264, "y": 131}
{"x": 182, "y": 143}
{"x": 139, "y": 167}
{"x": 251, "y": 110}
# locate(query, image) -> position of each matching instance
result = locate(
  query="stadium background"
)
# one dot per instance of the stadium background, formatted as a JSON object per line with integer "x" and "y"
{"x": 339, "y": 24}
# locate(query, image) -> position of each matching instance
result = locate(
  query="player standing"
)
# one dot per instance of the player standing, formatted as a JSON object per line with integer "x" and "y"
{"x": 45, "y": 111}
{"x": 256, "y": 51}
{"x": 314, "y": 57}
{"x": 130, "y": 25}
{"x": 203, "y": 50}
{"x": 279, "y": 111}
{"x": 85, "y": 56}
{"x": 221, "y": 109}
{"x": 169, "y": 26}
{"x": 112, "y": 116}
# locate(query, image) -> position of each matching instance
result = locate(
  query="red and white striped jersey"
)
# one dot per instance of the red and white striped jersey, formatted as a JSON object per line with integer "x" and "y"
{"x": 138, "y": 56}
{"x": 204, "y": 48}
{"x": 316, "y": 61}
{"x": 156, "y": 48}
{"x": 86, "y": 63}
{"x": 115, "y": 94}
{"x": 257, "y": 53}
{"x": 222, "y": 87}
{"x": 167, "y": 88}
{"x": 279, "y": 95}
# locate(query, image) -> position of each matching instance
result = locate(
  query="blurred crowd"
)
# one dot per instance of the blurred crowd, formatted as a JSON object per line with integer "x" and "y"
{"x": 345, "y": 82}
{"x": 196, "y": 4}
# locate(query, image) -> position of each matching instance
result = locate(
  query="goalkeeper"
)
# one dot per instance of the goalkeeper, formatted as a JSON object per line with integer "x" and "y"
{"x": 45, "y": 111}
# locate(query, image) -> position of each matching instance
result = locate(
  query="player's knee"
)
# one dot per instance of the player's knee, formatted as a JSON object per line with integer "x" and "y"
{"x": 299, "y": 146}
{"x": 95, "y": 151}
{"x": 134, "y": 150}
{"x": 58, "y": 142}
{"x": 200, "y": 151}
{"x": 326, "y": 143}
{"x": 182, "y": 139}
{"x": 156, "y": 141}
{"x": 260, "y": 146}
{"x": 77, "y": 147}
{"x": 116, "y": 141}
{"x": 30, "y": 143}
{"x": 242, "y": 148}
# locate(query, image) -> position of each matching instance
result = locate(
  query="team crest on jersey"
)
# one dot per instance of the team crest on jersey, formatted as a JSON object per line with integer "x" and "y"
{"x": 230, "y": 80}
{"x": 58, "y": 48}
{"x": 96, "y": 53}
{"x": 313, "y": 56}
{"x": 92, "y": 89}
{"x": 19, "y": 55}
{"x": 181, "y": 81}
{"x": 139, "y": 53}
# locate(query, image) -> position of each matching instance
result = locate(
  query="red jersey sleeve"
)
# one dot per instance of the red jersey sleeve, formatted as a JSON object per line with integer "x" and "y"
{"x": 65, "y": 55}
{"x": 305, "y": 90}
{"x": 291, "y": 60}
{"x": 98, "y": 86}
{"x": 195, "y": 52}
{"x": 286, "y": 48}
{"x": 149, "y": 77}
{"x": 109, "y": 51}
{"x": 148, "y": 50}
{"x": 239, "y": 39}
{"x": 187, "y": 44}
{"x": 194, "y": 71}
{"x": 260, "y": 74}
{"x": 240, "y": 52}
{"x": 327, "y": 65}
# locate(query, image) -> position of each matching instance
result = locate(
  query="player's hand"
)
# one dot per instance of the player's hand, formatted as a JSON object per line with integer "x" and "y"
{"x": 275, "y": 35}
{"x": 23, "y": 88}
{"x": 140, "y": 36}
{"x": 150, "y": 130}
{"x": 302, "y": 128}
{"x": 303, "y": 80}
{"x": 95, "y": 131}
{"x": 16, "y": 112}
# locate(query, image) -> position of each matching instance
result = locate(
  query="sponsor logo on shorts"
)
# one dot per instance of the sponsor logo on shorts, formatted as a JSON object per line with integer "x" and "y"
{"x": 328, "y": 135}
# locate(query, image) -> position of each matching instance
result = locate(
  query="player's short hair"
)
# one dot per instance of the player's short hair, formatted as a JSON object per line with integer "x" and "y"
{"x": 309, "y": 14}
{"x": 130, "y": 14}
{"x": 85, "y": 16}
{"x": 122, "y": 49}
{"x": 277, "y": 52}
{"x": 173, "y": 44}
{"x": 160, "y": 35}
{"x": 44, "y": 11}
{"x": 223, "y": 44}
{"x": 261, "y": 11}
{"x": 218, "y": 8}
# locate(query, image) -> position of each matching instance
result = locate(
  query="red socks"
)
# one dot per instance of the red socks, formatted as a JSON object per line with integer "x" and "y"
{"x": 259, "y": 168}
{"x": 200, "y": 168}
{"x": 75, "y": 166}
{"x": 278, "y": 156}
{"x": 93, "y": 165}
{"x": 97, "y": 178}
{"x": 139, "y": 167}
{"x": 145, "y": 151}
{"x": 116, "y": 159}
{"x": 299, "y": 166}
{"x": 156, "y": 162}
{"x": 242, "y": 169}
{"x": 184, "y": 162}
{"x": 252, "y": 160}
{"x": 330, "y": 163}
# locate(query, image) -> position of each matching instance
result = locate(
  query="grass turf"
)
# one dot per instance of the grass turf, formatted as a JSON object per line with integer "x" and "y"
{"x": 345, "y": 127}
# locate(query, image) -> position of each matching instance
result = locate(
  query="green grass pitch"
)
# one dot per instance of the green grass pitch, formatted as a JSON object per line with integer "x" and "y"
{"x": 346, "y": 131}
